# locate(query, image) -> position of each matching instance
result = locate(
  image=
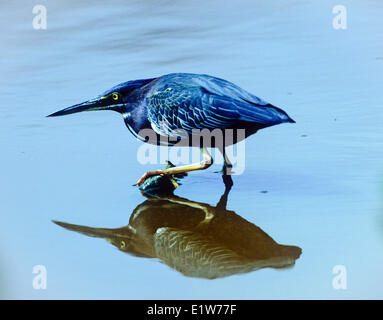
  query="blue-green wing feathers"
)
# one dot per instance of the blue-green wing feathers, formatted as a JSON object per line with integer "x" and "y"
{"x": 186, "y": 102}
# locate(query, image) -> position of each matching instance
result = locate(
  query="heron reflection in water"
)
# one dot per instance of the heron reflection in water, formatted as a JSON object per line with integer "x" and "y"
{"x": 195, "y": 238}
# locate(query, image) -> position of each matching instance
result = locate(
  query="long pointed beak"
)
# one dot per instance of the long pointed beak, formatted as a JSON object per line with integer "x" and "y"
{"x": 90, "y": 105}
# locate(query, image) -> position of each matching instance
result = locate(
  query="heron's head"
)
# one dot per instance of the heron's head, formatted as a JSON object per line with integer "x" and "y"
{"x": 119, "y": 98}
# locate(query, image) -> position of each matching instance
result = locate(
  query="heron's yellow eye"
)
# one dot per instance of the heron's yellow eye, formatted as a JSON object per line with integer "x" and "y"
{"x": 115, "y": 96}
{"x": 122, "y": 244}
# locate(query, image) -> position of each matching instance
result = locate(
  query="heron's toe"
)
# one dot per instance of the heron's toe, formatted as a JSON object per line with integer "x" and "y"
{"x": 142, "y": 179}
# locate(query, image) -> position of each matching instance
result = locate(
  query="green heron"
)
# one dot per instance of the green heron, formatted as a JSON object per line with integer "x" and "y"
{"x": 179, "y": 106}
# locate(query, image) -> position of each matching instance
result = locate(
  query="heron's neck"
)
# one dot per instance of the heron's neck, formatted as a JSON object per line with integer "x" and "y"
{"x": 136, "y": 118}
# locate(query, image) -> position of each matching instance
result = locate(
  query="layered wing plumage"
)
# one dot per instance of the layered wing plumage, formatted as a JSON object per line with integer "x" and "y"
{"x": 179, "y": 103}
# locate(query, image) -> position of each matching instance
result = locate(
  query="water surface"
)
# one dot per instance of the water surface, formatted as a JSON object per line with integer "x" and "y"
{"x": 315, "y": 185}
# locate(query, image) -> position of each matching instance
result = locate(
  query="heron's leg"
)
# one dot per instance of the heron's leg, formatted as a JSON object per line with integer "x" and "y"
{"x": 226, "y": 161}
{"x": 227, "y": 165}
{"x": 226, "y": 169}
{"x": 206, "y": 162}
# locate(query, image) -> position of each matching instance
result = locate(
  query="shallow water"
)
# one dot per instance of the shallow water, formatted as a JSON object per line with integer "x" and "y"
{"x": 316, "y": 185}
